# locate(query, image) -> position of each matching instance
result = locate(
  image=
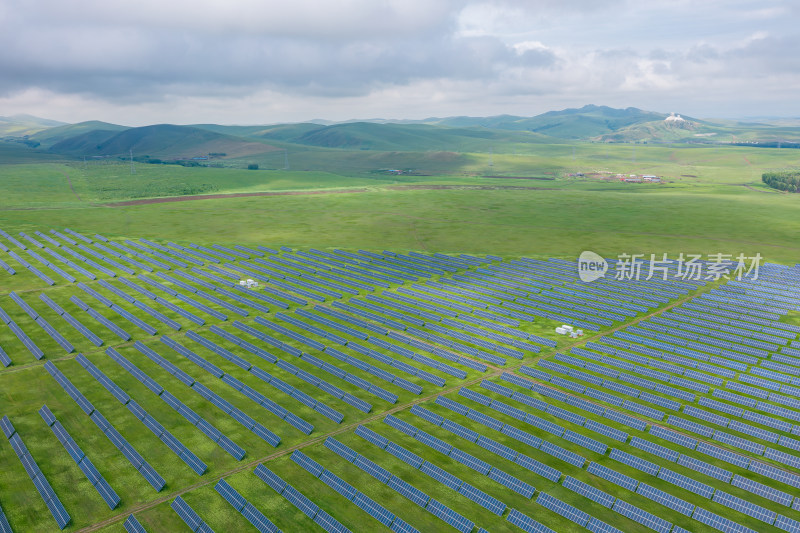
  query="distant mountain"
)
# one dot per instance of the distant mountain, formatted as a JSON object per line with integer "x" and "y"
{"x": 399, "y": 137}
{"x": 501, "y": 133}
{"x": 165, "y": 141}
{"x": 24, "y": 125}
{"x": 588, "y": 121}
{"x": 575, "y": 123}
{"x": 57, "y": 134}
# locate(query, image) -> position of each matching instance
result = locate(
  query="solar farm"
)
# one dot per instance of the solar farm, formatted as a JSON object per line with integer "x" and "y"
{"x": 152, "y": 385}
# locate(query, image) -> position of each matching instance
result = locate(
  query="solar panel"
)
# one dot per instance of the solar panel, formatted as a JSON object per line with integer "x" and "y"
{"x": 471, "y": 461}
{"x": 665, "y": 499}
{"x": 613, "y": 476}
{"x": 744, "y": 506}
{"x": 512, "y": 482}
{"x": 526, "y": 523}
{"x": 686, "y": 482}
{"x": 655, "y": 449}
{"x": 608, "y": 431}
{"x": 428, "y": 415}
{"x": 132, "y": 525}
{"x": 484, "y": 419}
{"x": 565, "y": 455}
{"x": 440, "y": 475}
{"x": 547, "y": 472}
{"x": 672, "y": 436}
{"x": 643, "y": 517}
{"x": 762, "y": 490}
{"x": 313, "y": 467}
{"x": 546, "y": 425}
{"x": 481, "y": 498}
{"x": 787, "y": 524}
{"x": 407, "y": 490}
{"x": 338, "y": 484}
{"x": 586, "y": 442}
{"x": 724, "y": 455}
{"x": 705, "y": 468}
{"x": 405, "y": 455}
{"x": 456, "y": 520}
{"x": 625, "y": 419}
{"x": 371, "y": 468}
{"x": 760, "y": 433}
{"x": 588, "y": 491}
{"x": 564, "y": 509}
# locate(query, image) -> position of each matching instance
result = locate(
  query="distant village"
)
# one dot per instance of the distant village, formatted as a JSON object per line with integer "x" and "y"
{"x": 610, "y": 176}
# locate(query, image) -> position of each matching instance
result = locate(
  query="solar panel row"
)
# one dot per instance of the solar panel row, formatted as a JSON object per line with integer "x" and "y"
{"x": 403, "y": 488}
{"x": 371, "y": 507}
{"x": 744, "y": 506}
{"x": 204, "y": 426}
{"x": 317, "y": 382}
{"x": 253, "y": 515}
{"x": 132, "y": 525}
{"x": 234, "y": 412}
{"x": 175, "y": 445}
{"x": 266, "y": 377}
{"x": 190, "y": 516}
{"x": 95, "y": 478}
{"x": 481, "y": 498}
{"x": 47, "y": 493}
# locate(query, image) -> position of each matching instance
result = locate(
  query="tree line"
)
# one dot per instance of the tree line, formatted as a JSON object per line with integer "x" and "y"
{"x": 783, "y": 180}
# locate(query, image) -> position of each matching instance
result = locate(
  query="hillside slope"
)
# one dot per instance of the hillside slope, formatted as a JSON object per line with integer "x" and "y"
{"x": 161, "y": 140}
{"x": 401, "y": 137}
{"x": 24, "y": 125}
{"x": 51, "y": 136}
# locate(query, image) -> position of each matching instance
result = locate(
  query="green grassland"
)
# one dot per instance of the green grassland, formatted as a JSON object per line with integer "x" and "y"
{"x": 711, "y": 201}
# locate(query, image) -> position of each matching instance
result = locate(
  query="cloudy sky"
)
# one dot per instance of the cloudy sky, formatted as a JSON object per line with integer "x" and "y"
{"x": 266, "y": 61}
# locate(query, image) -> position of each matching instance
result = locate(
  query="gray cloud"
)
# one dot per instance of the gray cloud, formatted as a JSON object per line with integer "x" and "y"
{"x": 499, "y": 51}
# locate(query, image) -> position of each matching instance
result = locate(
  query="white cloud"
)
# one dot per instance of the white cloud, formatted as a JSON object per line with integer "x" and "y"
{"x": 195, "y": 61}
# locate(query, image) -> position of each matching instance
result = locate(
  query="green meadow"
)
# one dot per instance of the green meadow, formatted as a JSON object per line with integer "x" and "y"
{"x": 711, "y": 200}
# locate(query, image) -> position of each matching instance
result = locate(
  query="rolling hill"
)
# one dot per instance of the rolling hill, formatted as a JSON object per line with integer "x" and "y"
{"x": 24, "y": 125}
{"x": 461, "y": 134}
{"x": 588, "y": 121}
{"x": 51, "y": 136}
{"x": 165, "y": 141}
{"x": 402, "y": 137}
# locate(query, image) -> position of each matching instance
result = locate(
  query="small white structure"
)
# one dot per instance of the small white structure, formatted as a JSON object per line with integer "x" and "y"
{"x": 566, "y": 329}
{"x": 248, "y": 283}
{"x": 673, "y": 118}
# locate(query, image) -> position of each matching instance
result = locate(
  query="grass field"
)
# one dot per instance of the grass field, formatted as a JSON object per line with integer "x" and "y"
{"x": 711, "y": 201}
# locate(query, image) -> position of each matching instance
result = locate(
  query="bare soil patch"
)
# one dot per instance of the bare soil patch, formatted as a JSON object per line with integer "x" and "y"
{"x": 468, "y": 188}
{"x": 169, "y": 199}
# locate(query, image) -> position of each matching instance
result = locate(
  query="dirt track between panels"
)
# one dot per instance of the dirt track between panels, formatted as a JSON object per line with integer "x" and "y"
{"x": 145, "y": 201}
